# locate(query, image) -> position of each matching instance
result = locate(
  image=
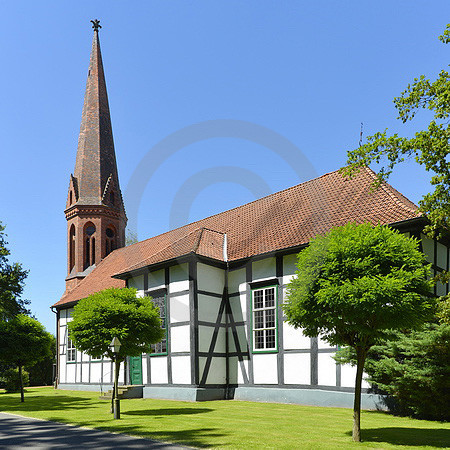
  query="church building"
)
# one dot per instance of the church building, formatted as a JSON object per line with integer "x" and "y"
{"x": 219, "y": 282}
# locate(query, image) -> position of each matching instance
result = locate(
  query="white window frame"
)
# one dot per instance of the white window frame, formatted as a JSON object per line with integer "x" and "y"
{"x": 265, "y": 330}
{"x": 71, "y": 350}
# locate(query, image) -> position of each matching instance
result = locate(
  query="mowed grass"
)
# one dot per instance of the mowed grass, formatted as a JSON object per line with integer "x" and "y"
{"x": 232, "y": 424}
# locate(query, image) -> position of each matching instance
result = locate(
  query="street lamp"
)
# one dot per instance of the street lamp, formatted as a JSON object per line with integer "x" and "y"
{"x": 115, "y": 348}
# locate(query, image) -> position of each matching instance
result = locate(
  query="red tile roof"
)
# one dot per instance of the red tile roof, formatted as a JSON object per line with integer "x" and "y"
{"x": 288, "y": 218}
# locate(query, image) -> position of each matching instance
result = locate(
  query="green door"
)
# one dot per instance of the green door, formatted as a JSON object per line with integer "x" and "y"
{"x": 136, "y": 369}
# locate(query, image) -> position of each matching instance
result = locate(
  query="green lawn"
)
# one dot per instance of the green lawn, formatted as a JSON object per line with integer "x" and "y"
{"x": 231, "y": 424}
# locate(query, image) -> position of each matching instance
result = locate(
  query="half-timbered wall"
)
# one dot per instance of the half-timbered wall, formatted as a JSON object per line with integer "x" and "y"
{"x": 297, "y": 361}
{"x": 77, "y": 368}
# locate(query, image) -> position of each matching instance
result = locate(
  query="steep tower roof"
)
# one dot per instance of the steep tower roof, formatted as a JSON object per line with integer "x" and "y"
{"x": 95, "y": 169}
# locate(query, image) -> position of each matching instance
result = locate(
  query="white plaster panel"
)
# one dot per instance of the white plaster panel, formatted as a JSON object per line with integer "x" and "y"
{"x": 78, "y": 373}
{"x": 121, "y": 374}
{"x": 181, "y": 369}
{"x": 236, "y": 309}
{"x": 85, "y": 373}
{"x": 62, "y": 320}
{"x": 440, "y": 288}
{"x": 326, "y": 369}
{"x": 70, "y": 373}
{"x": 180, "y": 339}
{"x": 84, "y": 357}
{"x": 217, "y": 371}
{"x": 236, "y": 281}
{"x": 242, "y": 367}
{"x": 265, "y": 369}
{"x": 136, "y": 282}
{"x": 348, "y": 377}
{"x": 158, "y": 370}
{"x": 441, "y": 256}
{"x": 294, "y": 338}
{"x": 264, "y": 268}
{"x": 233, "y": 367}
{"x": 96, "y": 374}
{"x": 179, "y": 278}
{"x": 323, "y": 344}
{"x": 179, "y": 308}
{"x": 297, "y": 368}
{"x": 62, "y": 369}
{"x": 208, "y": 308}
{"x": 156, "y": 279}
{"x": 289, "y": 267}
{"x": 144, "y": 369}
{"x": 211, "y": 279}
{"x": 287, "y": 278}
{"x": 204, "y": 337}
{"x": 107, "y": 371}
{"x": 428, "y": 248}
{"x": 241, "y": 332}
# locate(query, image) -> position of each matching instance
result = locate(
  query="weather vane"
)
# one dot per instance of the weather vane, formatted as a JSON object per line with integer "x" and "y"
{"x": 96, "y": 24}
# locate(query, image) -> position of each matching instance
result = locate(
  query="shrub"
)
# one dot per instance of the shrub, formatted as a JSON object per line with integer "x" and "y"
{"x": 11, "y": 379}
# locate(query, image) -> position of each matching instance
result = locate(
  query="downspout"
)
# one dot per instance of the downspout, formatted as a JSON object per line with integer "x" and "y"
{"x": 227, "y": 309}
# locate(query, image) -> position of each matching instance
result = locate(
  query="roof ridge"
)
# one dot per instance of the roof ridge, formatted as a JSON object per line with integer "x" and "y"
{"x": 160, "y": 251}
{"x": 237, "y": 207}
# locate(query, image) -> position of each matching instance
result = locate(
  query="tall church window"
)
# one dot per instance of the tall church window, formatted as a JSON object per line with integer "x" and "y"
{"x": 111, "y": 198}
{"x": 264, "y": 319}
{"x": 110, "y": 240}
{"x": 89, "y": 245}
{"x": 72, "y": 247}
{"x": 160, "y": 348}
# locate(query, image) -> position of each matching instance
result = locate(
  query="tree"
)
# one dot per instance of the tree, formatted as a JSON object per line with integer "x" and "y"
{"x": 23, "y": 342}
{"x": 430, "y": 147}
{"x": 12, "y": 278}
{"x": 411, "y": 368}
{"x": 111, "y": 313}
{"x": 356, "y": 284}
{"x": 41, "y": 373}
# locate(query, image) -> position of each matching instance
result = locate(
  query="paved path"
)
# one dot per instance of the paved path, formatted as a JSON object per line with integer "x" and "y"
{"x": 23, "y": 432}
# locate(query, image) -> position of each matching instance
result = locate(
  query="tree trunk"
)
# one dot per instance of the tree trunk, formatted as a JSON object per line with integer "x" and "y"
{"x": 361, "y": 358}
{"x": 22, "y": 397}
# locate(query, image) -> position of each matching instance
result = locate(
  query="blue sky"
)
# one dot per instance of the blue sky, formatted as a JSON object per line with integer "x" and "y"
{"x": 218, "y": 80}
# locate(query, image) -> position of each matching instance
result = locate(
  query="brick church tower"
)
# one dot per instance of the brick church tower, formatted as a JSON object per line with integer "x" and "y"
{"x": 94, "y": 211}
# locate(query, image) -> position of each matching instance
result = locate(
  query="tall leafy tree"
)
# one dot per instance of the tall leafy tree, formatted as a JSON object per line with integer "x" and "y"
{"x": 429, "y": 147}
{"x": 355, "y": 285}
{"x": 111, "y": 313}
{"x": 24, "y": 342}
{"x": 12, "y": 278}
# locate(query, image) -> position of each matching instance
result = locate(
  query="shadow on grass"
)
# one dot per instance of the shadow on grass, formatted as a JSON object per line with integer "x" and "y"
{"x": 197, "y": 437}
{"x": 166, "y": 411}
{"x": 42, "y": 403}
{"x": 437, "y": 437}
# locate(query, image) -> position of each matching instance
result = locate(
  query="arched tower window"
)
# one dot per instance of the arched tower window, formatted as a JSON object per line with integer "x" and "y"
{"x": 111, "y": 198}
{"x": 89, "y": 245}
{"x": 110, "y": 239}
{"x": 71, "y": 247}
{"x": 71, "y": 198}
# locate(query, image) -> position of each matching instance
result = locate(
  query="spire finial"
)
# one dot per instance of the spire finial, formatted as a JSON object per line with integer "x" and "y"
{"x": 96, "y": 24}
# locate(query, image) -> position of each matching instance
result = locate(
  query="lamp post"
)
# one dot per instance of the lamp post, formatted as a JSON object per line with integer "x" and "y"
{"x": 115, "y": 347}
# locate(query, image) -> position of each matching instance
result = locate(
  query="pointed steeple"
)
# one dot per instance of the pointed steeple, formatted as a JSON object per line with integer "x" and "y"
{"x": 95, "y": 166}
{"x": 95, "y": 211}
